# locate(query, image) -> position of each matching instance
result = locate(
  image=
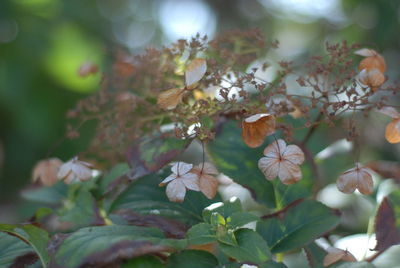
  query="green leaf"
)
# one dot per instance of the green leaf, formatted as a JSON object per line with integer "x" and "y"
{"x": 272, "y": 264}
{"x": 116, "y": 172}
{"x": 297, "y": 226}
{"x": 251, "y": 247}
{"x": 52, "y": 195}
{"x": 192, "y": 259}
{"x": 225, "y": 209}
{"x": 95, "y": 244}
{"x": 144, "y": 196}
{"x": 80, "y": 207}
{"x": 143, "y": 262}
{"x": 202, "y": 233}
{"x": 37, "y": 238}
{"x": 226, "y": 236}
{"x": 150, "y": 154}
{"x": 11, "y": 247}
{"x": 242, "y": 165}
{"x": 238, "y": 219}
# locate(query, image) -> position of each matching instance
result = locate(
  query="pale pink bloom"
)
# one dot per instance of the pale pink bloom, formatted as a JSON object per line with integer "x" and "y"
{"x": 358, "y": 177}
{"x": 282, "y": 161}
{"x": 180, "y": 180}
{"x": 75, "y": 171}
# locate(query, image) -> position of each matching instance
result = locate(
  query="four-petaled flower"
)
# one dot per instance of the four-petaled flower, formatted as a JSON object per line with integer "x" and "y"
{"x": 355, "y": 178}
{"x": 180, "y": 180}
{"x": 282, "y": 161}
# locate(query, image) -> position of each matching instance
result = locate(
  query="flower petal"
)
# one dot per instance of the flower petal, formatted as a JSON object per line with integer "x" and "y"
{"x": 208, "y": 186}
{"x": 294, "y": 154}
{"x": 269, "y": 166}
{"x": 392, "y": 133}
{"x": 289, "y": 173}
{"x": 191, "y": 181}
{"x": 176, "y": 191}
{"x": 365, "y": 182}
{"x": 168, "y": 179}
{"x": 195, "y": 71}
{"x": 347, "y": 182}
{"x": 181, "y": 168}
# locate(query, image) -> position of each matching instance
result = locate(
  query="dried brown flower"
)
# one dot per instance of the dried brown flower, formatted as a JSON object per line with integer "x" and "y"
{"x": 208, "y": 184}
{"x": 356, "y": 178}
{"x": 256, "y": 127}
{"x": 75, "y": 171}
{"x": 45, "y": 171}
{"x": 282, "y": 161}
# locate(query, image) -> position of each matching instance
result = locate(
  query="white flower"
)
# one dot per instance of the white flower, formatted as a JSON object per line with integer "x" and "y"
{"x": 74, "y": 171}
{"x": 180, "y": 180}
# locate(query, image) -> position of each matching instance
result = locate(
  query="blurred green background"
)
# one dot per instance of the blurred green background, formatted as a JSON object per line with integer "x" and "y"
{"x": 43, "y": 43}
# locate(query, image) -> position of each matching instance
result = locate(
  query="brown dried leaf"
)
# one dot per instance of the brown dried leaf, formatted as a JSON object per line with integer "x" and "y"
{"x": 282, "y": 161}
{"x": 256, "y": 127}
{"x": 46, "y": 171}
{"x": 358, "y": 177}
{"x": 195, "y": 71}
{"x": 170, "y": 98}
{"x": 386, "y": 231}
{"x": 392, "y": 133}
{"x": 208, "y": 184}
{"x": 336, "y": 255}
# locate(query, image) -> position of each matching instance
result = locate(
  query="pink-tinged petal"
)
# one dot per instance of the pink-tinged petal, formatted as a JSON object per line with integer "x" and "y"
{"x": 82, "y": 172}
{"x": 64, "y": 170}
{"x": 269, "y": 166}
{"x": 271, "y": 151}
{"x": 168, "y": 179}
{"x": 347, "y": 182}
{"x": 70, "y": 178}
{"x": 191, "y": 181}
{"x": 208, "y": 186}
{"x": 181, "y": 168}
{"x": 365, "y": 182}
{"x": 289, "y": 173}
{"x": 176, "y": 191}
{"x": 208, "y": 168}
{"x": 294, "y": 154}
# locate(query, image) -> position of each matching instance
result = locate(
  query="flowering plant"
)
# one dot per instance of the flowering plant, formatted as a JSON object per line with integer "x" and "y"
{"x": 205, "y": 120}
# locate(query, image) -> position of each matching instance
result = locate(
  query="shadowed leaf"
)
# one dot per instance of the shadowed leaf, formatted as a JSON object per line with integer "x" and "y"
{"x": 387, "y": 231}
{"x": 294, "y": 228}
{"x": 192, "y": 259}
{"x": 36, "y": 237}
{"x": 151, "y": 154}
{"x": 12, "y": 248}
